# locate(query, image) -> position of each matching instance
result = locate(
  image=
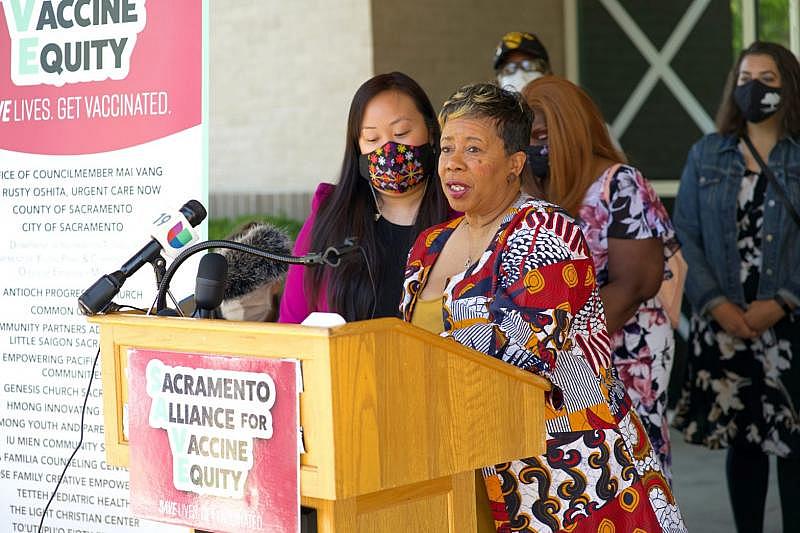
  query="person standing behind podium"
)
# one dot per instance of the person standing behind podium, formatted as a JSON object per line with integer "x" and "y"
{"x": 629, "y": 232}
{"x": 513, "y": 278}
{"x": 521, "y": 58}
{"x": 386, "y": 194}
{"x": 739, "y": 223}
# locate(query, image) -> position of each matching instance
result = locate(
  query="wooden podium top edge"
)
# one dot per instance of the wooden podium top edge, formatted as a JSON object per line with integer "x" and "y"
{"x": 346, "y": 330}
{"x": 138, "y": 319}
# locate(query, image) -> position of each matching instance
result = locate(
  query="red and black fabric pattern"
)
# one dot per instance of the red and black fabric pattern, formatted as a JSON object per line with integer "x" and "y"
{"x": 531, "y": 300}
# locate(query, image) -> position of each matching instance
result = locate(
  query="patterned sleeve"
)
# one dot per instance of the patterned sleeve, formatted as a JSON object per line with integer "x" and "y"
{"x": 636, "y": 211}
{"x": 544, "y": 298}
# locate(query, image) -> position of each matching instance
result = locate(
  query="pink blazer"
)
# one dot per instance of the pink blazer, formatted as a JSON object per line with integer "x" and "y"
{"x": 294, "y": 307}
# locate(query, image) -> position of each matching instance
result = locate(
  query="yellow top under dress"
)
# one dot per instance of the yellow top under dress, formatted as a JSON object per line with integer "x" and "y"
{"x": 428, "y": 315}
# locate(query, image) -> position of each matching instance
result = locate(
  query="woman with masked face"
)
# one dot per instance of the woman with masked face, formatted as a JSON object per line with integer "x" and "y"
{"x": 576, "y": 166}
{"x": 737, "y": 218}
{"x": 386, "y": 194}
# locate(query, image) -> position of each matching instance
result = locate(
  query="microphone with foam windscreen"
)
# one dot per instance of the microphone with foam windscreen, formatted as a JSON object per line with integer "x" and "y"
{"x": 209, "y": 289}
{"x": 254, "y": 282}
{"x": 275, "y": 252}
{"x": 171, "y": 233}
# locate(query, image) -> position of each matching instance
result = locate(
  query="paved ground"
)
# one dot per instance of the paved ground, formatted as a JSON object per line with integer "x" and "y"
{"x": 700, "y": 488}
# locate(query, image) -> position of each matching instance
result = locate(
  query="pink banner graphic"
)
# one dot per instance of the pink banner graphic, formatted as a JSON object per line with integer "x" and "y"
{"x": 103, "y": 127}
{"x": 214, "y": 441}
{"x": 141, "y": 86}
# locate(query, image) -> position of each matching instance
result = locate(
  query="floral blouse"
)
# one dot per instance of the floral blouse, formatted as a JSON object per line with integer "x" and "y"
{"x": 621, "y": 204}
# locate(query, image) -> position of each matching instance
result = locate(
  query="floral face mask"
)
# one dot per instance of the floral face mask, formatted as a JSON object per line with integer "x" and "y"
{"x": 396, "y": 167}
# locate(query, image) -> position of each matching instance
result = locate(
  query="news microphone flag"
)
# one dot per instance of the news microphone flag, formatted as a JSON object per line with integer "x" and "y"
{"x": 173, "y": 232}
{"x": 170, "y": 233}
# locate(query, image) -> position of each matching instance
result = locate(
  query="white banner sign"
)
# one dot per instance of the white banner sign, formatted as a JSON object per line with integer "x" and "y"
{"x": 102, "y": 131}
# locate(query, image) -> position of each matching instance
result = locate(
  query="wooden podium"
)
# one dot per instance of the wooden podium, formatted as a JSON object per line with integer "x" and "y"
{"x": 395, "y": 419}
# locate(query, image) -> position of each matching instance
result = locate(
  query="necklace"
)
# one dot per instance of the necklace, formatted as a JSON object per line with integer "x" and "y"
{"x": 481, "y": 228}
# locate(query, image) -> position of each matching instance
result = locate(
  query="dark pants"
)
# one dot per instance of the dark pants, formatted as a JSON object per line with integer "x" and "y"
{"x": 747, "y": 469}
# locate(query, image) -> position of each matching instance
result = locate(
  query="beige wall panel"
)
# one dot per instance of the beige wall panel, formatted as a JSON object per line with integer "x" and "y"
{"x": 448, "y": 43}
{"x": 282, "y": 77}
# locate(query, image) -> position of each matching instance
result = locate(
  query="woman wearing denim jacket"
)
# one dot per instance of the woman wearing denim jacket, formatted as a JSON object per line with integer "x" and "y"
{"x": 741, "y": 244}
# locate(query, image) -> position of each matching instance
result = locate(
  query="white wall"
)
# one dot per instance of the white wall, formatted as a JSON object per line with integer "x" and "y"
{"x": 281, "y": 79}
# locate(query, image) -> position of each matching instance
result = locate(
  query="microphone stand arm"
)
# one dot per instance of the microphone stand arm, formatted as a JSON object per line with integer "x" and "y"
{"x": 159, "y": 265}
{"x": 331, "y": 257}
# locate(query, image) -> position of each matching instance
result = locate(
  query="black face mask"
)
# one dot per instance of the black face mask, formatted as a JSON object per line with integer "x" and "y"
{"x": 539, "y": 160}
{"x": 757, "y": 101}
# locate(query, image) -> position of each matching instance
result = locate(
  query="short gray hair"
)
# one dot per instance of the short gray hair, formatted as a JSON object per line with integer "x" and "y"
{"x": 511, "y": 114}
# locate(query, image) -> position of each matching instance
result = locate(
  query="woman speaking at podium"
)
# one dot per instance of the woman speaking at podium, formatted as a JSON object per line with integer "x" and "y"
{"x": 514, "y": 279}
{"x": 386, "y": 194}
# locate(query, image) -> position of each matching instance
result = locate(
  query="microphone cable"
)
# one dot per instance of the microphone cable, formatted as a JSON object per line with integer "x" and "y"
{"x": 77, "y": 448}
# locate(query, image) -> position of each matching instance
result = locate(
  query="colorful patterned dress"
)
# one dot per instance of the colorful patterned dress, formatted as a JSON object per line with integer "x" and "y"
{"x": 621, "y": 204}
{"x": 531, "y": 300}
{"x": 743, "y": 391}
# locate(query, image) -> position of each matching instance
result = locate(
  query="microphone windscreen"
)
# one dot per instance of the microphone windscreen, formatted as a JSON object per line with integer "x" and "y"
{"x": 194, "y": 212}
{"x": 247, "y": 272}
{"x": 212, "y": 266}
{"x": 210, "y": 284}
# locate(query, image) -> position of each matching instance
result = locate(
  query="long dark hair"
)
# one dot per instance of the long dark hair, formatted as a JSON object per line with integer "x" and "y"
{"x": 730, "y": 120}
{"x": 350, "y": 210}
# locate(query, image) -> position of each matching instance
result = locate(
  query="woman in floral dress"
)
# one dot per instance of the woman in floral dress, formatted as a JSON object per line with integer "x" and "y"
{"x": 740, "y": 239}
{"x": 576, "y": 166}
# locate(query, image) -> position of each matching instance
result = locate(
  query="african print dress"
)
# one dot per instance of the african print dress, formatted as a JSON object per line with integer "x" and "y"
{"x": 621, "y": 204}
{"x": 531, "y": 300}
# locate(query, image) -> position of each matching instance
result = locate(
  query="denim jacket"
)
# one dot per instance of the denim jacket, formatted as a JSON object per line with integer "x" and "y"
{"x": 705, "y": 221}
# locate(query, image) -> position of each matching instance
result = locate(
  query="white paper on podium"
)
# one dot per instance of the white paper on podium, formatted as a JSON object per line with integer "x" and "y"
{"x": 324, "y": 320}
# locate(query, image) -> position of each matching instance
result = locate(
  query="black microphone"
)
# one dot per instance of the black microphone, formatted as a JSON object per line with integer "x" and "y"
{"x": 209, "y": 288}
{"x": 171, "y": 232}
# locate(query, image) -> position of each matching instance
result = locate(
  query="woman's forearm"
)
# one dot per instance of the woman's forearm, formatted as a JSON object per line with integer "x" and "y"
{"x": 620, "y": 303}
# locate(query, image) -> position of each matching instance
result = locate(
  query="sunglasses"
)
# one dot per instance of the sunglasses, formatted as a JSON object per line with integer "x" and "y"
{"x": 527, "y": 65}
